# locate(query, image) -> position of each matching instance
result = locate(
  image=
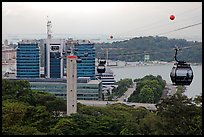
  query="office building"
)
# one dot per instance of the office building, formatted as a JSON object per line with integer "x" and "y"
{"x": 53, "y": 63}
{"x": 28, "y": 59}
{"x": 108, "y": 82}
{"x": 87, "y": 89}
{"x": 107, "y": 78}
{"x": 86, "y": 51}
{"x": 8, "y": 54}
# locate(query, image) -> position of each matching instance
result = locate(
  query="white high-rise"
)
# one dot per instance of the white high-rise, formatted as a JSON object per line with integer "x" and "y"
{"x": 53, "y": 49}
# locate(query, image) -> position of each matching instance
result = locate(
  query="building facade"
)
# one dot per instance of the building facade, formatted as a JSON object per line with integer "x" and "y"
{"x": 53, "y": 63}
{"x": 86, "y": 52}
{"x": 86, "y": 89}
{"x": 108, "y": 81}
{"x": 8, "y": 55}
{"x": 107, "y": 78}
{"x": 28, "y": 59}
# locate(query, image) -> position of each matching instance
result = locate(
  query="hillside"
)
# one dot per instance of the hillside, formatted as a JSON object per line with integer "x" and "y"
{"x": 159, "y": 48}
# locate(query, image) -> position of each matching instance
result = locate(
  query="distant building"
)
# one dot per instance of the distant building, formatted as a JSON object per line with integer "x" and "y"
{"x": 53, "y": 52}
{"x": 146, "y": 57}
{"x": 108, "y": 81}
{"x": 107, "y": 78}
{"x": 8, "y": 54}
{"x": 28, "y": 59}
{"x": 86, "y": 51}
{"x": 86, "y": 89}
{"x": 53, "y": 63}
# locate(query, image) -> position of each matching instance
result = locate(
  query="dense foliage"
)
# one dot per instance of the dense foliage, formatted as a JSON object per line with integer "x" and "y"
{"x": 123, "y": 85}
{"x": 148, "y": 90}
{"x": 25, "y": 112}
{"x": 159, "y": 49}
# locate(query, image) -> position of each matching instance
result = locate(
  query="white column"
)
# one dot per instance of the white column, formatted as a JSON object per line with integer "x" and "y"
{"x": 71, "y": 85}
{"x": 48, "y": 57}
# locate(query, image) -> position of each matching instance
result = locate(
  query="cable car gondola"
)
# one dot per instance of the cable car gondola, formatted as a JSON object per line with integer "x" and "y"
{"x": 101, "y": 66}
{"x": 181, "y": 73}
{"x": 78, "y": 60}
{"x": 102, "y": 61}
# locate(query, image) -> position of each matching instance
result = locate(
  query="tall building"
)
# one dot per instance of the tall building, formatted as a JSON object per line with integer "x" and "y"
{"x": 53, "y": 63}
{"x": 53, "y": 49}
{"x": 86, "y": 51}
{"x": 28, "y": 59}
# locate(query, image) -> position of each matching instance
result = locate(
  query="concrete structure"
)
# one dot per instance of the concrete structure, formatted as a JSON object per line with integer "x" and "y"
{"x": 86, "y": 51}
{"x": 146, "y": 57}
{"x": 28, "y": 59}
{"x": 8, "y": 54}
{"x": 53, "y": 63}
{"x": 88, "y": 89}
{"x": 72, "y": 85}
{"x": 108, "y": 82}
{"x": 53, "y": 51}
{"x": 107, "y": 78}
{"x": 91, "y": 90}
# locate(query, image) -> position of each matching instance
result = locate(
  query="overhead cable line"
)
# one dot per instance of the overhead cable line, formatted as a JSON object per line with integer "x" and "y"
{"x": 153, "y": 52}
{"x": 152, "y": 25}
{"x": 181, "y": 28}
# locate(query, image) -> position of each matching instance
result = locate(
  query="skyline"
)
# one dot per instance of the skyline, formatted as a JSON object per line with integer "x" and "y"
{"x": 102, "y": 19}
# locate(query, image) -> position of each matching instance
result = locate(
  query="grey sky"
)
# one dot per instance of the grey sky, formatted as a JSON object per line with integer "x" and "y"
{"x": 103, "y": 18}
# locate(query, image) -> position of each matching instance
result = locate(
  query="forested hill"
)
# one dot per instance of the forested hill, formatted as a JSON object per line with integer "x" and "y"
{"x": 159, "y": 49}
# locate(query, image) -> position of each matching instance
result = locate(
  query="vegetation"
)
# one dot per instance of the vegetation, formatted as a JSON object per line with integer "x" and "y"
{"x": 25, "y": 112}
{"x": 123, "y": 86}
{"x": 148, "y": 90}
{"x": 159, "y": 49}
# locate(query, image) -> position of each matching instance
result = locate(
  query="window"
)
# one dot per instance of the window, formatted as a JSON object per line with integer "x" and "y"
{"x": 55, "y": 48}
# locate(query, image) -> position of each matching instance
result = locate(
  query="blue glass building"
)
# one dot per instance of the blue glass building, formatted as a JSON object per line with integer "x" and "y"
{"x": 87, "y": 67}
{"x": 28, "y": 59}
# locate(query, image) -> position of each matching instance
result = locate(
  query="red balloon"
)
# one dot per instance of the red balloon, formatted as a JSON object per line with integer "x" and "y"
{"x": 111, "y": 37}
{"x": 172, "y": 17}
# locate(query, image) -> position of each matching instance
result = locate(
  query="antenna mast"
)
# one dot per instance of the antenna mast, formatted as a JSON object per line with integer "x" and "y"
{"x": 49, "y": 26}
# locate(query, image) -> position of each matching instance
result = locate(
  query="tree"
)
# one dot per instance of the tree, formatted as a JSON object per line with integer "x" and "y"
{"x": 151, "y": 125}
{"x": 64, "y": 126}
{"x": 12, "y": 112}
{"x": 181, "y": 115}
{"x": 149, "y": 89}
{"x": 14, "y": 89}
{"x": 21, "y": 130}
{"x": 146, "y": 94}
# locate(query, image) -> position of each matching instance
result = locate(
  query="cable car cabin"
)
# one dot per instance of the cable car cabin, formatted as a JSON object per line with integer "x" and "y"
{"x": 181, "y": 74}
{"x": 68, "y": 51}
{"x": 102, "y": 61}
{"x": 101, "y": 68}
{"x": 79, "y": 60}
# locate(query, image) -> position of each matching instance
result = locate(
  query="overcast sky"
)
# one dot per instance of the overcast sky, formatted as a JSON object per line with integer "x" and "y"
{"x": 103, "y": 18}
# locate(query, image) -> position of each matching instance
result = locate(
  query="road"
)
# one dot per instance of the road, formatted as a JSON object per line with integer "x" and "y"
{"x": 169, "y": 91}
{"x": 127, "y": 93}
{"x": 120, "y": 100}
